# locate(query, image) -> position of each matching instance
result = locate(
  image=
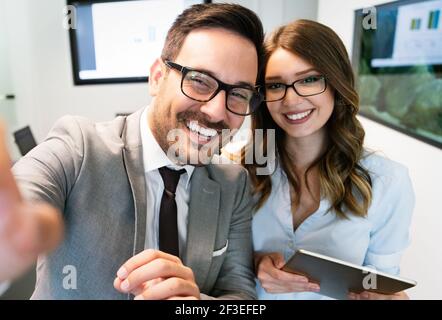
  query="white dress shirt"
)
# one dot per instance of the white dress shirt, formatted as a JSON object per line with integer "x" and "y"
{"x": 153, "y": 159}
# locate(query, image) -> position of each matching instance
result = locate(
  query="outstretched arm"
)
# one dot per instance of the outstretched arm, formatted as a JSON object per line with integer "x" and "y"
{"x": 26, "y": 229}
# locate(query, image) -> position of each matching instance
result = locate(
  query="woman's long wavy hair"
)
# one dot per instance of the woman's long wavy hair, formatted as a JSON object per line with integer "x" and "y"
{"x": 343, "y": 181}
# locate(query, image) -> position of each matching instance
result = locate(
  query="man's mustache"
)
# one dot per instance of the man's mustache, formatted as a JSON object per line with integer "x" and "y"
{"x": 186, "y": 116}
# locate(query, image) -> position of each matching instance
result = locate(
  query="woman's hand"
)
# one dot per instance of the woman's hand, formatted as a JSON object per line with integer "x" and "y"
{"x": 274, "y": 280}
{"x": 366, "y": 295}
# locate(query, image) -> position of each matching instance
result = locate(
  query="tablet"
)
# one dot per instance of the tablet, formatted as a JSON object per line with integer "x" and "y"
{"x": 336, "y": 277}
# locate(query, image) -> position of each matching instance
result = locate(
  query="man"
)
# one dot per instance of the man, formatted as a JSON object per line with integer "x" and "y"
{"x": 128, "y": 226}
{"x": 26, "y": 230}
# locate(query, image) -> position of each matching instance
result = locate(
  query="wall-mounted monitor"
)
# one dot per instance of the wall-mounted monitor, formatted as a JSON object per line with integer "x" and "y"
{"x": 117, "y": 41}
{"x": 398, "y": 62}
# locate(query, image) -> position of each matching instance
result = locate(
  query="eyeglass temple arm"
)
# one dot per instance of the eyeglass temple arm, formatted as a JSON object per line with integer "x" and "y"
{"x": 174, "y": 65}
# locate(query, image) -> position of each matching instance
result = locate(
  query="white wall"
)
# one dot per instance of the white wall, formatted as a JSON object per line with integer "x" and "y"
{"x": 423, "y": 260}
{"x": 8, "y": 112}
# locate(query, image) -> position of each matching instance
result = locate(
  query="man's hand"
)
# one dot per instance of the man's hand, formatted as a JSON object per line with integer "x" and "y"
{"x": 155, "y": 275}
{"x": 274, "y": 280}
{"x": 26, "y": 230}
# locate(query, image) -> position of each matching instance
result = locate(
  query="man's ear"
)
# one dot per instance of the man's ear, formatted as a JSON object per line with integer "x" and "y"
{"x": 156, "y": 76}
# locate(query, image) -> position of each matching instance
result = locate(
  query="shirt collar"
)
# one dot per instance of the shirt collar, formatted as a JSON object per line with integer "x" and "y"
{"x": 153, "y": 156}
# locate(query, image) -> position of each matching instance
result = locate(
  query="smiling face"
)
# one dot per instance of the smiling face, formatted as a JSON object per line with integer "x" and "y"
{"x": 299, "y": 117}
{"x": 224, "y": 55}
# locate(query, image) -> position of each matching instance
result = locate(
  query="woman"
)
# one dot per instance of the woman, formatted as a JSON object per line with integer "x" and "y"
{"x": 327, "y": 194}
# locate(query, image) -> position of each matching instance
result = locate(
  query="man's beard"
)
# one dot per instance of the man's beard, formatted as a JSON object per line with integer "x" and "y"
{"x": 161, "y": 130}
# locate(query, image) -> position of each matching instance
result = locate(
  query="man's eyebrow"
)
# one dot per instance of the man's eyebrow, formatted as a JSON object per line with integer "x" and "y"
{"x": 238, "y": 83}
{"x": 296, "y": 74}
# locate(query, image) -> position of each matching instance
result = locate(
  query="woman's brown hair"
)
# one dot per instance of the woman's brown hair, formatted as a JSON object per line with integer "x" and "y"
{"x": 343, "y": 181}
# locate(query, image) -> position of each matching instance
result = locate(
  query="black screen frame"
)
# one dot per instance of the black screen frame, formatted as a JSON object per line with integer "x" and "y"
{"x": 356, "y": 55}
{"x": 74, "y": 53}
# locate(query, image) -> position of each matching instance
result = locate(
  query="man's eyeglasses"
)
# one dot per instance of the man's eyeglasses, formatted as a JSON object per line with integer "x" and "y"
{"x": 306, "y": 87}
{"x": 202, "y": 87}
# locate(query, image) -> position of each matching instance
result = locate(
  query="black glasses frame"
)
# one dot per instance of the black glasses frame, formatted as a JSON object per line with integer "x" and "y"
{"x": 221, "y": 86}
{"x": 286, "y": 86}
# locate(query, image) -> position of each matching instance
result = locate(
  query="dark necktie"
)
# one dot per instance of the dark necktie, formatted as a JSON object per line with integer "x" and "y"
{"x": 168, "y": 230}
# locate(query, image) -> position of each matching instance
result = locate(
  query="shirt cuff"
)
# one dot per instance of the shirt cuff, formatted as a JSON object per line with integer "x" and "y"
{"x": 388, "y": 263}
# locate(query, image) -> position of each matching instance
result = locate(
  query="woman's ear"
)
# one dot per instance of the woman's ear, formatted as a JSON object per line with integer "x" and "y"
{"x": 156, "y": 76}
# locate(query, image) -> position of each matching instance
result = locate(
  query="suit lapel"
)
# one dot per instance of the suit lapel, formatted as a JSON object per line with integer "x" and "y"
{"x": 133, "y": 159}
{"x": 202, "y": 224}
{"x": 203, "y": 206}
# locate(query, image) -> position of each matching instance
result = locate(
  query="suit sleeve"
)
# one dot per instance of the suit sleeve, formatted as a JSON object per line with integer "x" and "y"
{"x": 48, "y": 172}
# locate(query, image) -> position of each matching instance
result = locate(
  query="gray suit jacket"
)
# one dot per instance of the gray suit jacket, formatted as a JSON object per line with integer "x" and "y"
{"x": 93, "y": 172}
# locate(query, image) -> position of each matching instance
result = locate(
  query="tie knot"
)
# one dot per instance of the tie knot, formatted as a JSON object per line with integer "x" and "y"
{"x": 170, "y": 178}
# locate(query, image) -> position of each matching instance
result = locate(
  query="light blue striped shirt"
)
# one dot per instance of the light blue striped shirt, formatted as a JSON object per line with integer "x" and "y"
{"x": 377, "y": 240}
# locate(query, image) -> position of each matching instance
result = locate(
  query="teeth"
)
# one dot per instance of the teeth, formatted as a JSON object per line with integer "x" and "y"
{"x": 206, "y": 132}
{"x": 298, "y": 116}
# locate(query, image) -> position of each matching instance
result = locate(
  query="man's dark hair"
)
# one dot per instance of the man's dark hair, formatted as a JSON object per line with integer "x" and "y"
{"x": 232, "y": 17}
